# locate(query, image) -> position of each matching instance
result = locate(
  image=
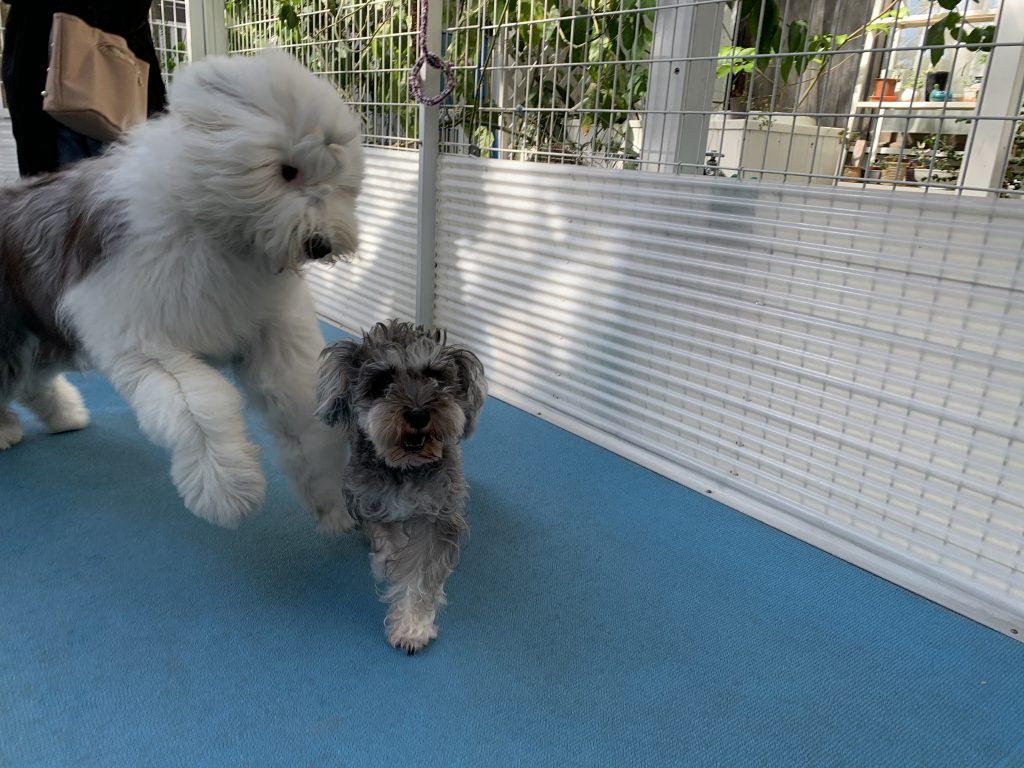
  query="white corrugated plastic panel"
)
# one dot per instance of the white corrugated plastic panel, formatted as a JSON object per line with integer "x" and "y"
{"x": 381, "y": 282}
{"x": 8, "y": 152}
{"x": 846, "y": 366}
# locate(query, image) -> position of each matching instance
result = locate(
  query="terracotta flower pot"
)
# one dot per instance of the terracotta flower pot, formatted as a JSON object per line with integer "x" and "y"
{"x": 885, "y": 89}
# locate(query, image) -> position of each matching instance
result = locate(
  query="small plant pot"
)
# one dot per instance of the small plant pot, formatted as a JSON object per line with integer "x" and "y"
{"x": 932, "y": 79}
{"x": 926, "y": 174}
{"x": 885, "y": 89}
{"x": 895, "y": 170}
{"x": 853, "y": 172}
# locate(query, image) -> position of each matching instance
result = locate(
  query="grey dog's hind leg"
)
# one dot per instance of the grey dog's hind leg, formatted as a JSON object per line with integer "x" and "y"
{"x": 14, "y": 357}
{"x": 30, "y": 373}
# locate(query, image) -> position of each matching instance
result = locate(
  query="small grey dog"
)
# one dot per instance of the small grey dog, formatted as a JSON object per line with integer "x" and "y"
{"x": 407, "y": 399}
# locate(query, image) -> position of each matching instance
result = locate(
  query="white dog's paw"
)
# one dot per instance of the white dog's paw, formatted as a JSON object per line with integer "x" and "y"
{"x": 59, "y": 406}
{"x": 332, "y": 516}
{"x": 10, "y": 429}
{"x": 410, "y": 632}
{"x": 72, "y": 417}
{"x": 335, "y": 522}
{"x": 70, "y": 422}
{"x": 223, "y": 491}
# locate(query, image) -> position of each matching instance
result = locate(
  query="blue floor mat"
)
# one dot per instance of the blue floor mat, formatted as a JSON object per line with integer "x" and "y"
{"x": 601, "y": 616}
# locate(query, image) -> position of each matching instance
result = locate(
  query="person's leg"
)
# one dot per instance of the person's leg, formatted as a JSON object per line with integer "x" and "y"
{"x": 73, "y": 146}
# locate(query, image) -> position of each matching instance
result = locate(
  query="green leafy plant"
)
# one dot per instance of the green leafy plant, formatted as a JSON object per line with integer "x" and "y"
{"x": 579, "y": 69}
{"x": 1013, "y": 179}
{"x": 975, "y": 38}
{"x": 173, "y": 57}
{"x": 364, "y": 48}
{"x": 937, "y": 155}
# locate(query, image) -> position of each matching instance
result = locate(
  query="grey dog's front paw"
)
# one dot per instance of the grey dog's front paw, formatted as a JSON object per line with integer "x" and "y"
{"x": 410, "y": 633}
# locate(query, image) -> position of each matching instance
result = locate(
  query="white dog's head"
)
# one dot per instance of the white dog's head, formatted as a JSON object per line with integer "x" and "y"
{"x": 275, "y": 155}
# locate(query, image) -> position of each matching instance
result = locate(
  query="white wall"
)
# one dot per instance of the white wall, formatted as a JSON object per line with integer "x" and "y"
{"x": 845, "y": 366}
{"x": 381, "y": 282}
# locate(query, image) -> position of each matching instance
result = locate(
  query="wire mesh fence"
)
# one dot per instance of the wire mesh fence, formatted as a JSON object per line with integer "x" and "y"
{"x": 365, "y": 48}
{"x": 916, "y": 95}
{"x": 894, "y": 93}
{"x": 888, "y": 94}
{"x": 169, "y": 22}
{"x": 556, "y": 84}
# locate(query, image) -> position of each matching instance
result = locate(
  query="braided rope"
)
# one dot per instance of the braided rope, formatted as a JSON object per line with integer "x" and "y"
{"x": 426, "y": 58}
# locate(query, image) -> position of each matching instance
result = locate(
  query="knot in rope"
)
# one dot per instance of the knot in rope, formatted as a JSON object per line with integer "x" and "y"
{"x": 426, "y": 58}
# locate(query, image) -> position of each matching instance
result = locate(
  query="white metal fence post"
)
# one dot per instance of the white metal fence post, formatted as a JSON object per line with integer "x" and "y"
{"x": 681, "y": 84}
{"x": 990, "y": 141}
{"x": 207, "y": 30}
{"x": 426, "y": 217}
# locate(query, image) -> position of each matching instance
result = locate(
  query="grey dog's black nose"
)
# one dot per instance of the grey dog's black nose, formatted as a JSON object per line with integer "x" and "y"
{"x": 316, "y": 247}
{"x": 417, "y": 419}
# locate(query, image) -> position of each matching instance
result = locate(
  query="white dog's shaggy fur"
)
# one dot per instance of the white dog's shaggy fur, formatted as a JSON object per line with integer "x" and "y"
{"x": 179, "y": 250}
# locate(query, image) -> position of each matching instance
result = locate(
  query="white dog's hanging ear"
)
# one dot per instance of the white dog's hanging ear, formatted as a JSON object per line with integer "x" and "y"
{"x": 473, "y": 385}
{"x": 333, "y": 390}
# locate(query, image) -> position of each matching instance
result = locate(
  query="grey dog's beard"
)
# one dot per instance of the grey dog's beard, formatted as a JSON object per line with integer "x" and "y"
{"x": 391, "y": 436}
{"x": 400, "y": 457}
{"x": 389, "y": 439}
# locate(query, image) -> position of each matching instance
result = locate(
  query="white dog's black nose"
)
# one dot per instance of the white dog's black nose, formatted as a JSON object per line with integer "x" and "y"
{"x": 417, "y": 419}
{"x": 317, "y": 247}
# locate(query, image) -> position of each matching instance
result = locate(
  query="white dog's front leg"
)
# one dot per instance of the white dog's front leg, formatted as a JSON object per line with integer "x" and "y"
{"x": 279, "y": 375}
{"x": 187, "y": 406}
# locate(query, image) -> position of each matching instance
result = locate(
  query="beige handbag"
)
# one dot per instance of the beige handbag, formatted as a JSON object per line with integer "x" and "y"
{"x": 95, "y": 85}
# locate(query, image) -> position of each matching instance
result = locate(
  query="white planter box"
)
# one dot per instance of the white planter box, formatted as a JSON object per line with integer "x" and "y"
{"x": 767, "y": 147}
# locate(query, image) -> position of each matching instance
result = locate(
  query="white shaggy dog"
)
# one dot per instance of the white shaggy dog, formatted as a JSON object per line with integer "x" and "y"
{"x": 177, "y": 251}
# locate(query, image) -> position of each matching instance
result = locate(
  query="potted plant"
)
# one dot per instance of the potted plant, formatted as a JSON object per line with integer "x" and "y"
{"x": 885, "y": 88}
{"x": 936, "y": 160}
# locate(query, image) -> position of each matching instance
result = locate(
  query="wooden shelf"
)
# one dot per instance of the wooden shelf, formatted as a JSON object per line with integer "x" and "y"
{"x": 930, "y": 106}
{"x": 927, "y": 20}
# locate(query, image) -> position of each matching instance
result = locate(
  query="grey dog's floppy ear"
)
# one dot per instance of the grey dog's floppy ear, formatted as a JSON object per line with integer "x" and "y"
{"x": 333, "y": 390}
{"x": 473, "y": 385}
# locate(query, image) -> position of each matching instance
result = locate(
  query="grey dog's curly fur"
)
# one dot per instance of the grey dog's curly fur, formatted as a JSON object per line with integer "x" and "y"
{"x": 407, "y": 399}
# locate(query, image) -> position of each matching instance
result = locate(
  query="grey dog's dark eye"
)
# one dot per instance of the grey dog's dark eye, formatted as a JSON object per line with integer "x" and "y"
{"x": 289, "y": 172}
{"x": 379, "y": 384}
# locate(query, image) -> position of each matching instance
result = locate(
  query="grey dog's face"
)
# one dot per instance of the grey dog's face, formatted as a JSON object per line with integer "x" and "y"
{"x": 404, "y": 389}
